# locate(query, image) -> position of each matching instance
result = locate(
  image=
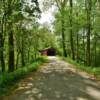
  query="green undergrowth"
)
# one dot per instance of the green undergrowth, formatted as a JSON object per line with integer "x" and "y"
{"x": 9, "y": 80}
{"x": 89, "y": 69}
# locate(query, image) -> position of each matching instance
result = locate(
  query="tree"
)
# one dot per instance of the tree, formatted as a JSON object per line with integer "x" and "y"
{"x": 2, "y": 31}
{"x": 12, "y": 13}
{"x": 62, "y": 7}
{"x": 88, "y": 10}
{"x": 71, "y": 29}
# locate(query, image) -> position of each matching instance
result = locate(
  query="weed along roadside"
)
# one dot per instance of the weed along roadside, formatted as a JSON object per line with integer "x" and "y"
{"x": 93, "y": 71}
{"x": 8, "y": 81}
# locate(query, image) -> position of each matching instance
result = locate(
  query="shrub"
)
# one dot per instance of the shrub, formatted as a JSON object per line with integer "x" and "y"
{"x": 9, "y": 79}
{"x": 89, "y": 69}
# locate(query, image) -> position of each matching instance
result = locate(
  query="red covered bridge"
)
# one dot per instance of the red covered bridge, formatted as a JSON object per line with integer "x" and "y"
{"x": 48, "y": 52}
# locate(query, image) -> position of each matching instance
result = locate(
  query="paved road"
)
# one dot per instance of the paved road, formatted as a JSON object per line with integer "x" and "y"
{"x": 56, "y": 80}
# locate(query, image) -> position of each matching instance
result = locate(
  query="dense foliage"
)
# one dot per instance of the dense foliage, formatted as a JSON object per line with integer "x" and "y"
{"x": 9, "y": 79}
{"x": 77, "y": 26}
{"x": 21, "y": 36}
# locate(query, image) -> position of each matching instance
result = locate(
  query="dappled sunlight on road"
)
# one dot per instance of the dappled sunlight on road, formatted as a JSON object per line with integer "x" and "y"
{"x": 56, "y": 80}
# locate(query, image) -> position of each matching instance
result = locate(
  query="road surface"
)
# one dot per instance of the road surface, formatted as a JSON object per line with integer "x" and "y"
{"x": 56, "y": 80}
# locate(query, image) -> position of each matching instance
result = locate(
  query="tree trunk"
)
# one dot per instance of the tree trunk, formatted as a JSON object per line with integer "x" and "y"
{"x": 22, "y": 57}
{"x": 29, "y": 55}
{"x": 71, "y": 30}
{"x": 77, "y": 47}
{"x": 2, "y": 45}
{"x": 22, "y": 53}
{"x": 11, "y": 48}
{"x": 84, "y": 58}
{"x": 95, "y": 51}
{"x": 2, "y": 53}
{"x": 17, "y": 59}
{"x": 63, "y": 39}
{"x": 88, "y": 32}
{"x": 88, "y": 47}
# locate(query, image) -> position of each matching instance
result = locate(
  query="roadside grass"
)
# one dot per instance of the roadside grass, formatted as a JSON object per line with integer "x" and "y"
{"x": 95, "y": 71}
{"x": 9, "y": 80}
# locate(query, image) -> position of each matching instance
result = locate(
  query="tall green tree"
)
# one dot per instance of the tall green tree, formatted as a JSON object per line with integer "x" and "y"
{"x": 61, "y": 4}
{"x": 88, "y": 4}
{"x": 71, "y": 29}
